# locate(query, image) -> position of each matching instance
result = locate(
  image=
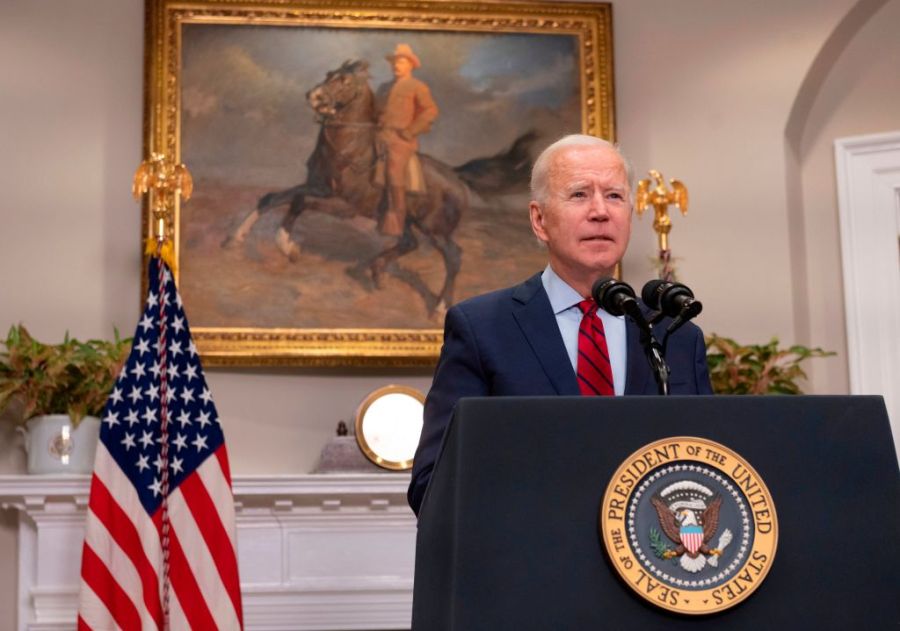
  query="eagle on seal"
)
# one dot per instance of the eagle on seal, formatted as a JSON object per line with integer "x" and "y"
{"x": 691, "y": 538}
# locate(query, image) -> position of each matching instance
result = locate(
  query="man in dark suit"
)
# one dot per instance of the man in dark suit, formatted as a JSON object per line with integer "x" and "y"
{"x": 543, "y": 337}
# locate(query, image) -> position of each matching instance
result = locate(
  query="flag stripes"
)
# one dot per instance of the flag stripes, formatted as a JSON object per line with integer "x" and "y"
{"x": 208, "y": 529}
{"x": 101, "y": 581}
{"x": 93, "y": 613}
{"x": 184, "y": 583}
{"x": 116, "y": 524}
{"x": 99, "y": 543}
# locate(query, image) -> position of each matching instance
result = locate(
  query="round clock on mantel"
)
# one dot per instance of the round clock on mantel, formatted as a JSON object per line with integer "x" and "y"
{"x": 388, "y": 425}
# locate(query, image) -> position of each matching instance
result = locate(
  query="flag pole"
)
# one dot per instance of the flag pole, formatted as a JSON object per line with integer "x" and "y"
{"x": 165, "y": 183}
{"x": 159, "y": 548}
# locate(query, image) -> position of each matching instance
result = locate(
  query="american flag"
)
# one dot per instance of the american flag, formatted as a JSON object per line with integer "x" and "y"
{"x": 133, "y": 539}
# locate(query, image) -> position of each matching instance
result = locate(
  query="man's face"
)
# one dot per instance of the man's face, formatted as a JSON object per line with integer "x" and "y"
{"x": 402, "y": 67}
{"x": 586, "y": 218}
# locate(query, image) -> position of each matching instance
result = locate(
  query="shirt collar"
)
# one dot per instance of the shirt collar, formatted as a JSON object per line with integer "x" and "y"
{"x": 560, "y": 293}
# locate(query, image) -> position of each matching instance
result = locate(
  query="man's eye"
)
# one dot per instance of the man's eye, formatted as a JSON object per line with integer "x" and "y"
{"x": 579, "y": 194}
{"x": 616, "y": 196}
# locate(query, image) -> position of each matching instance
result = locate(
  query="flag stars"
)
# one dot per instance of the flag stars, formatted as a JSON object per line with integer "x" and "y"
{"x": 128, "y": 441}
{"x": 146, "y": 322}
{"x": 155, "y": 368}
{"x": 187, "y": 395}
{"x": 190, "y": 372}
{"x": 146, "y": 440}
{"x": 206, "y": 396}
{"x": 200, "y": 443}
{"x": 178, "y": 324}
{"x": 143, "y": 346}
{"x": 132, "y": 417}
{"x": 149, "y": 415}
{"x": 158, "y": 463}
{"x": 184, "y": 418}
{"x": 175, "y": 348}
{"x": 170, "y": 395}
{"x": 152, "y": 392}
{"x": 167, "y": 276}
{"x": 112, "y": 418}
{"x": 177, "y": 465}
{"x": 172, "y": 371}
{"x": 156, "y": 487}
{"x": 203, "y": 419}
{"x": 138, "y": 370}
{"x": 116, "y": 396}
{"x": 135, "y": 395}
{"x": 180, "y": 442}
{"x": 142, "y": 463}
{"x": 192, "y": 348}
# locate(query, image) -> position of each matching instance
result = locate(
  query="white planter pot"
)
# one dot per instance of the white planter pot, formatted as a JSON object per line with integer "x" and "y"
{"x": 54, "y": 447}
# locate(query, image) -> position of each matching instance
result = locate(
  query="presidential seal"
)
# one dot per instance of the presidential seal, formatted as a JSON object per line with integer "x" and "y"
{"x": 689, "y": 525}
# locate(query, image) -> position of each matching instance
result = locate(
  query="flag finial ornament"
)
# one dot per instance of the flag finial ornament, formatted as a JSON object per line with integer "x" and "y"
{"x": 652, "y": 193}
{"x": 165, "y": 183}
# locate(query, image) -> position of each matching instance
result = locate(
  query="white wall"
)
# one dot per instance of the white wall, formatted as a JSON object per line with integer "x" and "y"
{"x": 704, "y": 92}
{"x": 859, "y": 96}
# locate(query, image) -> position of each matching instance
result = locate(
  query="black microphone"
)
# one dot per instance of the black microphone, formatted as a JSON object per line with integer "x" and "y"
{"x": 673, "y": 299}
{"x": 615, "y": 297}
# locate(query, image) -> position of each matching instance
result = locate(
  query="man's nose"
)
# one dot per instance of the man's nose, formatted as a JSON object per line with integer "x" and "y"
{"x": 598, "y": 209}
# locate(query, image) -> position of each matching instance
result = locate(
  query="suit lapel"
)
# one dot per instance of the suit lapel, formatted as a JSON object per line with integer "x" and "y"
{"x": 534, "y": 315}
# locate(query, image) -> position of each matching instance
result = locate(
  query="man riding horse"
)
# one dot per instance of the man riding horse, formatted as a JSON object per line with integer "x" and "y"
{"x": 406, "y": 110}
{"x": 342, "y": 179}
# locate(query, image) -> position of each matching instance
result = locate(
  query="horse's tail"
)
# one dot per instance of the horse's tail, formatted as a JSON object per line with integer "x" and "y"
{"x": 504, "y": 172}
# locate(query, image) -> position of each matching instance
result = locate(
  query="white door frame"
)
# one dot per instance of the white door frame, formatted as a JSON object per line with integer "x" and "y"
{"x": 868, "y": 183}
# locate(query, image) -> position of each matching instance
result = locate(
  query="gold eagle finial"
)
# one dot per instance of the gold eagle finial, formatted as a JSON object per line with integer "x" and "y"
{"x": 166, "y": 184}
{"x": 653, "y": 193}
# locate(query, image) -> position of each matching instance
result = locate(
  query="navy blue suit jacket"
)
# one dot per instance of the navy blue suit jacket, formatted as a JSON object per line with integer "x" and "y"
{"x": 507, "y": 343}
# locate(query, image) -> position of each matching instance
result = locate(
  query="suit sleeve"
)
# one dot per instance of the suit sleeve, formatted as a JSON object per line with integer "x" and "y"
{"x": 701, "y": 369}
{"x": 459, "y": 373}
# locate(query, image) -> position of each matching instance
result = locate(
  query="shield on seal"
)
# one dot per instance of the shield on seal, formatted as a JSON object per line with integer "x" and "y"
{"x": 692, "y": 537}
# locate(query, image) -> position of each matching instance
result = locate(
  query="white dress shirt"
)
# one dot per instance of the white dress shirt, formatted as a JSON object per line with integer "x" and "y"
{"x": 564, "y": 301}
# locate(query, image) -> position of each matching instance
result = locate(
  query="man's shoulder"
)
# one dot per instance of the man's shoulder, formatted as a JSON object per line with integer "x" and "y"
{"x": 483, "y": 304}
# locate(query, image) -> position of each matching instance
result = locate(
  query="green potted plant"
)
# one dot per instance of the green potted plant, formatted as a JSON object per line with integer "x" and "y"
{"x": 756, "y": 368}
{"x": 56, "y": 391}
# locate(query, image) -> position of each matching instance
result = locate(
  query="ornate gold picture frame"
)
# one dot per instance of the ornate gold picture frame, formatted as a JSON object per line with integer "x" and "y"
{"x": 276, "y": 107}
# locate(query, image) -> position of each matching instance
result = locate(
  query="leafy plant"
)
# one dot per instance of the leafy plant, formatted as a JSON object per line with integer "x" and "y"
{"x": 658, "y": 544}
{"x": 71, "y": 377}
{"x": 756, "y": 368}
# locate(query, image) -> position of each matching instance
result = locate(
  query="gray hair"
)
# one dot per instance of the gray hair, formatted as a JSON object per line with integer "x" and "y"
{"x": 541, "y": 168}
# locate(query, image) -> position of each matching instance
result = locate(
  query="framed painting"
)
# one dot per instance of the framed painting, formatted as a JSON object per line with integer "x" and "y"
{"x": 308, "y": 241}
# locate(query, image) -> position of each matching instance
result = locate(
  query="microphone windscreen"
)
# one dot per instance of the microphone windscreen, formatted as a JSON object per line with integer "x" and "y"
{"x": 611, "y": 295}
{"x": 651, "y": 292}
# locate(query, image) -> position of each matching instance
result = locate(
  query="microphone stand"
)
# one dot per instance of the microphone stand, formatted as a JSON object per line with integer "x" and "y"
{"x": 652, "y": 348}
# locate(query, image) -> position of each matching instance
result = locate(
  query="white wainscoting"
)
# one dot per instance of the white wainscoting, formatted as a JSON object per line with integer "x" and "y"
{"x": 316, "y": 552}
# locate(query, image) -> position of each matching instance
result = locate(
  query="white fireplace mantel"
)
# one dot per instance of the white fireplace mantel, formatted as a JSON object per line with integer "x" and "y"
{"x": 319, "y": 552}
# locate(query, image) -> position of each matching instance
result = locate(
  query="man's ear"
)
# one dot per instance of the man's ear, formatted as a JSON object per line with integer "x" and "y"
{"x": 536, "y": 213}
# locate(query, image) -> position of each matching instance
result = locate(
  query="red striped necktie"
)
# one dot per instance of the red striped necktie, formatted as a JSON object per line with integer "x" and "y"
{"x": 594, "y": 370}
